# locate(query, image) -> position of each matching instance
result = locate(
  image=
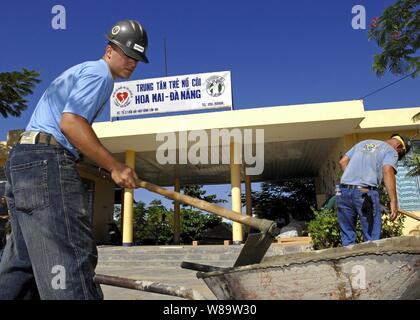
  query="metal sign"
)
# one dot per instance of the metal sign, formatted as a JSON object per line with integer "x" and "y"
{"x": 172, "y": 94}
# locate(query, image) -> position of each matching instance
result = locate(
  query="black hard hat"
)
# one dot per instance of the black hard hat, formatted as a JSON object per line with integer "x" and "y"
{"x": 131, "y": 37}
{"x": 406, "y": 141}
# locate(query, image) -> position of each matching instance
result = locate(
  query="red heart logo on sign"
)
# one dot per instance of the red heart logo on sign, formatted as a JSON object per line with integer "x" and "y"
{"x": 122, "y": 96}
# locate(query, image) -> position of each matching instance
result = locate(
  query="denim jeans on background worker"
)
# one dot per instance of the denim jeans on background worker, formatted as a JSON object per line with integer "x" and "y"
{"x": 51, "y": 251}
{"x": 350, "y": 207}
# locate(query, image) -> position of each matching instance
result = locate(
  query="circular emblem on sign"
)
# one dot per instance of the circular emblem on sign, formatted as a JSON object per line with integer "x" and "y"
{"x": 122, "y": 97}
{"x": 215, "y": 86}
{"x": 115, "y": 30}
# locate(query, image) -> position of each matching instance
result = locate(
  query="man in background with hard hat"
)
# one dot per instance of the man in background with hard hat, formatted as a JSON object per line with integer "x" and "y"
{"x": 365, "y": 166}
{"x": 51, "y": 253}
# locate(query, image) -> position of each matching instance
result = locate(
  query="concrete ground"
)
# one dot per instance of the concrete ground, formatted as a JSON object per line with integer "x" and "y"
{"x": 159, "y": 264}
{"x": 162, "y": 265}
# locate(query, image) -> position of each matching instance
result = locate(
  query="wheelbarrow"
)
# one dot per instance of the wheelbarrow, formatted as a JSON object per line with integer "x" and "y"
{"x": 250, "y": 279}
{"x": 253, "y": 251}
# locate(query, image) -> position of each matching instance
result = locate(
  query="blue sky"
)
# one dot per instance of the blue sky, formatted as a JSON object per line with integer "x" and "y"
{"x": 279, "y": 52}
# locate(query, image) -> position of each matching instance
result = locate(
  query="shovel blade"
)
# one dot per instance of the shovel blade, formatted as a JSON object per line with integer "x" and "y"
{"x": 254, "y": 249}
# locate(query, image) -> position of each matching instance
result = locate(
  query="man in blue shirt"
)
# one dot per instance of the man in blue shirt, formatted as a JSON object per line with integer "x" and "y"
{"x": 365, "y": 166}
{"x": 51, "y": 253}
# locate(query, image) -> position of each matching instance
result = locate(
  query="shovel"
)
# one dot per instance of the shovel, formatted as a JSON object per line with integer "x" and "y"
{"x": 148, "y": 286}
{"x": 409, "y": 214}
{"x": 256, "y": 244}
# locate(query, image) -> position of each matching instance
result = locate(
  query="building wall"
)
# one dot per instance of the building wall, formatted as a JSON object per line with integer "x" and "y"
{"x": 328, "y": 175}
{"x": 103, "y": 206}
{"x": 3, "y": 153}
{"x": 350, "y": 140}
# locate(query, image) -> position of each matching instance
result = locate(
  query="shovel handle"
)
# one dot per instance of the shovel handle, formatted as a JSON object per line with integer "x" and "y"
{"x": 409, "y": 214}
{"x": 263, "y": 225}
{"x": 148, "y": 286}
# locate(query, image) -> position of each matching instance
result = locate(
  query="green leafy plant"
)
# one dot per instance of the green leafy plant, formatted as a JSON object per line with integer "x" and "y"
{"x": 157, "y": 227}
{"x": 392, "y": 228}
{"x": 325, "y": 231}
{"x": 276, "y": 200}
{"x": 396, "y": 33}
{"x": 194, "y": 223}
{"x": 389, "y": 228}
{"x": 153, "y": 224}
{"x": 413, "y": 161}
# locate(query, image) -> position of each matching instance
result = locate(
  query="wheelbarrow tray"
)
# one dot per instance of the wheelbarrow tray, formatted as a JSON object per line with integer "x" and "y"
{"x": 383, "y": 269}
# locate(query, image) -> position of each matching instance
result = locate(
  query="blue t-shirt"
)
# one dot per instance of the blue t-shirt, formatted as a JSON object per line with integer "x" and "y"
{"x": 367, "y": 159}
{"x": 83, "y": 90}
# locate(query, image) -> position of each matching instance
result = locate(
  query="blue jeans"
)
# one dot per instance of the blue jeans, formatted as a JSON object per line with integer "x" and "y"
{"x": 50, "y": 253}
{"x": 349, "y": 208}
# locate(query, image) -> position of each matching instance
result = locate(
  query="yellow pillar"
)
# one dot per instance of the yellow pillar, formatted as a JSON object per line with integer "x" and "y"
{"x": 235, "y": 178}
{"x": 349, "y": 141}
{"x": 177, "y": 214}
{"x": 130, "y": 156}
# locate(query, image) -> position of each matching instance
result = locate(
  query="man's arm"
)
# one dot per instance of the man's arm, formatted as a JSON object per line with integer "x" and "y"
{"x": 80, "y": 134}
{"x": 344, "y": 161}
{"x": 390, "y": 185}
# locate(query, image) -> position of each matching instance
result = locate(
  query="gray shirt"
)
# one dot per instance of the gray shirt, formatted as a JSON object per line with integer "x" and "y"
{"x": 367, "y": 159}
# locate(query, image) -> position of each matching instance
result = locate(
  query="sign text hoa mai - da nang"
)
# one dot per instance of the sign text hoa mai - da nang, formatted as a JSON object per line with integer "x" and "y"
{"x": 172, "y": 94}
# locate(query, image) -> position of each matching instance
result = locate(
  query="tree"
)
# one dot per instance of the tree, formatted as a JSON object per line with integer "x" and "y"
{"x": 276, "y": 200}
{"x": 194, "y": 223}
{"x": 397, "y": 33}
{"x": 413, "y": 162}
{"x": 152, "y": 224}
{"x": 158, "y": 227}
{"x": 140, "y": 219}
{"x": 196, "y": 191}
{"x": 13, "y": 87}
